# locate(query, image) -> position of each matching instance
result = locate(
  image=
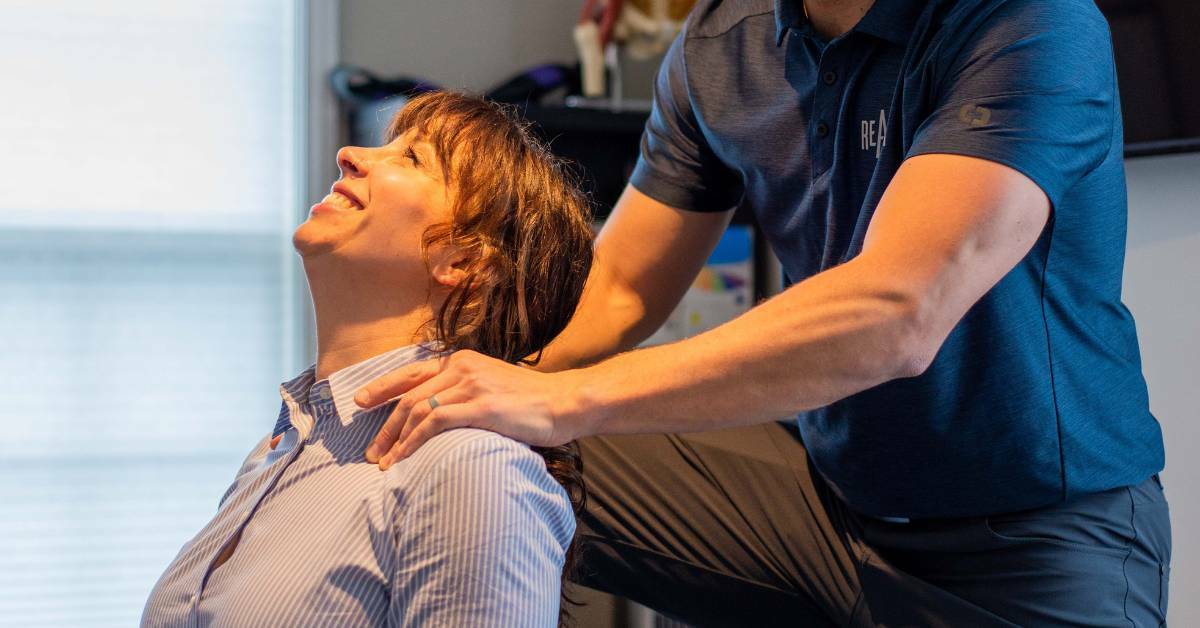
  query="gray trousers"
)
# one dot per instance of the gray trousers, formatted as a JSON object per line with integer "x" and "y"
{"x": 735, "y": 528}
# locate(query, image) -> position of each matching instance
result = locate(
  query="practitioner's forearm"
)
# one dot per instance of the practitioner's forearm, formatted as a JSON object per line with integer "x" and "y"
{"x": 645, "y": 259}
{"x": 838, "y": 333}
{"x": 611, "y": 318}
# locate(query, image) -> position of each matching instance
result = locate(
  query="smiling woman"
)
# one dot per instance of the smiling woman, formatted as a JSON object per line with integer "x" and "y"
{"x": 461, "y": 232}
{"x": 404, "y": 194}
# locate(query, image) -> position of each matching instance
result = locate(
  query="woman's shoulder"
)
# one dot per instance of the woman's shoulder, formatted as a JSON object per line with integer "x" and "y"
{"x": 481, "y": 475}
{"x": 468, "y": 455}
{"x": 467, "y": 446}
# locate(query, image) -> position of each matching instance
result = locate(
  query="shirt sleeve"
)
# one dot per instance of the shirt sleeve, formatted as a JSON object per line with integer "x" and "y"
{"x": 677, "y": 166}
{"x": 1031, "y": 85}
{"x": 481, "y": 539}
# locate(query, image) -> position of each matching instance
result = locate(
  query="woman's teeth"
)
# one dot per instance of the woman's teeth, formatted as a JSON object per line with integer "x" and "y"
{"x": 341, "y": 202}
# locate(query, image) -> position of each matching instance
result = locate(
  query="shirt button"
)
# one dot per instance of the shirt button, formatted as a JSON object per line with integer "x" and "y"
{"x": 324, "y": 393}
{"x": 822, "y": 129}
{"x": 829, "y": 77}
{"x": 192, "y": 600}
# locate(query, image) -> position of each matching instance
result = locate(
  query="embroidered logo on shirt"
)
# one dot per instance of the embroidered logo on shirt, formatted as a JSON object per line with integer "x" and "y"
{"x": 874, "y": 133}
{"x": 974, "y": 115}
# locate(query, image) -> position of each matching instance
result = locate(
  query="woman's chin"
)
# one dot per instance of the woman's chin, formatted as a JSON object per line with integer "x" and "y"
{"x": 311, "y": 240}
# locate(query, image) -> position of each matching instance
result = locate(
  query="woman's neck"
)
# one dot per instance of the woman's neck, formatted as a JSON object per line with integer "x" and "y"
{"x": 346, "y": 343}
{"x": 358, "y": 319}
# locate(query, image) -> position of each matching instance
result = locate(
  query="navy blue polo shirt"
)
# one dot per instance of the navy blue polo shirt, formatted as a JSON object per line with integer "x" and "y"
{"x": 1037, "y": 395}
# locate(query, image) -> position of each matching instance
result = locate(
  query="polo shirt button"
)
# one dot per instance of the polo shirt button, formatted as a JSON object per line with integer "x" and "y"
{"x": 822, "y": 129}
{"x": 829, "y": 77}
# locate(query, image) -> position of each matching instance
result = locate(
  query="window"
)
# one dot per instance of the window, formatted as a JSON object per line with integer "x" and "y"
{"x": 149, "y": 189}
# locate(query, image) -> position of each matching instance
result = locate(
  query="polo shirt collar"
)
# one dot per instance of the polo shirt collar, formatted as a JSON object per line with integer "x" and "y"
{"x": 890, "y": 20}
{"x": 789, "y": 14}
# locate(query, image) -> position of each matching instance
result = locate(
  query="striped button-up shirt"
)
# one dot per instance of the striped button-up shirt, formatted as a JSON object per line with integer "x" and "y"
{"x": 468, "y": 531}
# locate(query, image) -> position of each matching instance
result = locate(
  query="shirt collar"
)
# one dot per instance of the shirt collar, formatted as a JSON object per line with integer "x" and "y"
{"x": 346, "y": 382}
{"x": 891, "y": 20}
{"x": 341, "y": 385}
{"x": 789, "y": 14}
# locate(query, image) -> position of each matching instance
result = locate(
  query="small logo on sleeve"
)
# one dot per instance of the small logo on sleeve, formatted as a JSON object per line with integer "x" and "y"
{"x": 874, "y": 133}
{"x": 974, "y": 115}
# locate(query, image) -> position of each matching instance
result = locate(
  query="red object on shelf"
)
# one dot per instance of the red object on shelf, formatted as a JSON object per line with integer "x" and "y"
{"x": 605, "y": 12}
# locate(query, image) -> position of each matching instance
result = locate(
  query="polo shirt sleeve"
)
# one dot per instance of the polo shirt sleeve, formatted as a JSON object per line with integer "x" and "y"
{"x": 1030, "y": 85}
{"x": 677, "y": 166}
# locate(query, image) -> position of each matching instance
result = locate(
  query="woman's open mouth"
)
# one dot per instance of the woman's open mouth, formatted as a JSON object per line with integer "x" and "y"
{"x": 342, "y": 190}
{"x": 339, "y": 199}
{"x": 341, "y": 202}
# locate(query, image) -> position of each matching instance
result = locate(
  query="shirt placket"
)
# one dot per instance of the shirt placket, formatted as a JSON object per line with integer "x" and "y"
{"x": 827, "y": 94}
{"x": 300, "y": 417}
{"x": 321, "y": 402}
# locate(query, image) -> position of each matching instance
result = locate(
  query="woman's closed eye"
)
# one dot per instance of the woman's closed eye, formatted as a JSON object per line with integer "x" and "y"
{"x": 412, "y": 154}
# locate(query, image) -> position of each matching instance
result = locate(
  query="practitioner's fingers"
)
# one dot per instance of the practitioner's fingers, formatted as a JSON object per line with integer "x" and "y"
{"x": 480, "y": 391}
{"x": 395, "y": 383}
{"x": 392, "y": 427}
{"x": 434, "y": 422}
{"x": 421, "y": 410}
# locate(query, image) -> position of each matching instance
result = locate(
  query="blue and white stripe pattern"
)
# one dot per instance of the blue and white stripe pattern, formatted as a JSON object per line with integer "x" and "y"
{"x": 468, "y": 531}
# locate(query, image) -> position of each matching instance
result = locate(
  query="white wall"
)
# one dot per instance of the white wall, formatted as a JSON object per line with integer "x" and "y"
{"x": 464, "y": 44}
{"x": 1162, "y": 289}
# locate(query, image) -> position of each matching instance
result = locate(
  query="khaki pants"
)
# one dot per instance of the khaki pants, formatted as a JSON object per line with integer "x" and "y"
{"x": 735, "y": 528}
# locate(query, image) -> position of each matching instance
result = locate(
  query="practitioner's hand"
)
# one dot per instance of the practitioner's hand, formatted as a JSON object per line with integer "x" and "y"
{"x": 472, "y": 390}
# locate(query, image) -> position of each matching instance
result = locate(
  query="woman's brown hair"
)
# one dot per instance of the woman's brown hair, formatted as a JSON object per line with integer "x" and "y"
{"x": 519, "y": 213}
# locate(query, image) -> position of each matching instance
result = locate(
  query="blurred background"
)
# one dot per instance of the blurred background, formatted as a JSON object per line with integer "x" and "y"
{"x": 156, "y": 157}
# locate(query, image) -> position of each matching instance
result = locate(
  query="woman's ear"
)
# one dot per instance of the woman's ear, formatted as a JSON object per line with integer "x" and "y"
{"x": 448, "y": 264}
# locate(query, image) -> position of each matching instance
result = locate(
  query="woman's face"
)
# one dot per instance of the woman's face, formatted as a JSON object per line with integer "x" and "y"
{"x": 376, "y": 213}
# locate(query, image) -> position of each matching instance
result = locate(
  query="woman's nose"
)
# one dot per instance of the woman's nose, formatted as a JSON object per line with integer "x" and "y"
{"x": 351, "y": 162}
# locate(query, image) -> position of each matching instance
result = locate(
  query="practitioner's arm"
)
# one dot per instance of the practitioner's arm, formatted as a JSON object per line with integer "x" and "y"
{"x": 646, "y": 256}
{"x": 658, "y": 235}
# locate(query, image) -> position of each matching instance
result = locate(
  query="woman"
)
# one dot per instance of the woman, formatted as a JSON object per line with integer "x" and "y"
{"x": 462, "y": 232}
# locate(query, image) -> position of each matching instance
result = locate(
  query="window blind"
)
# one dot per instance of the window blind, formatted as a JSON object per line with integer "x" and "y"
{"x": 144, "y": 206}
